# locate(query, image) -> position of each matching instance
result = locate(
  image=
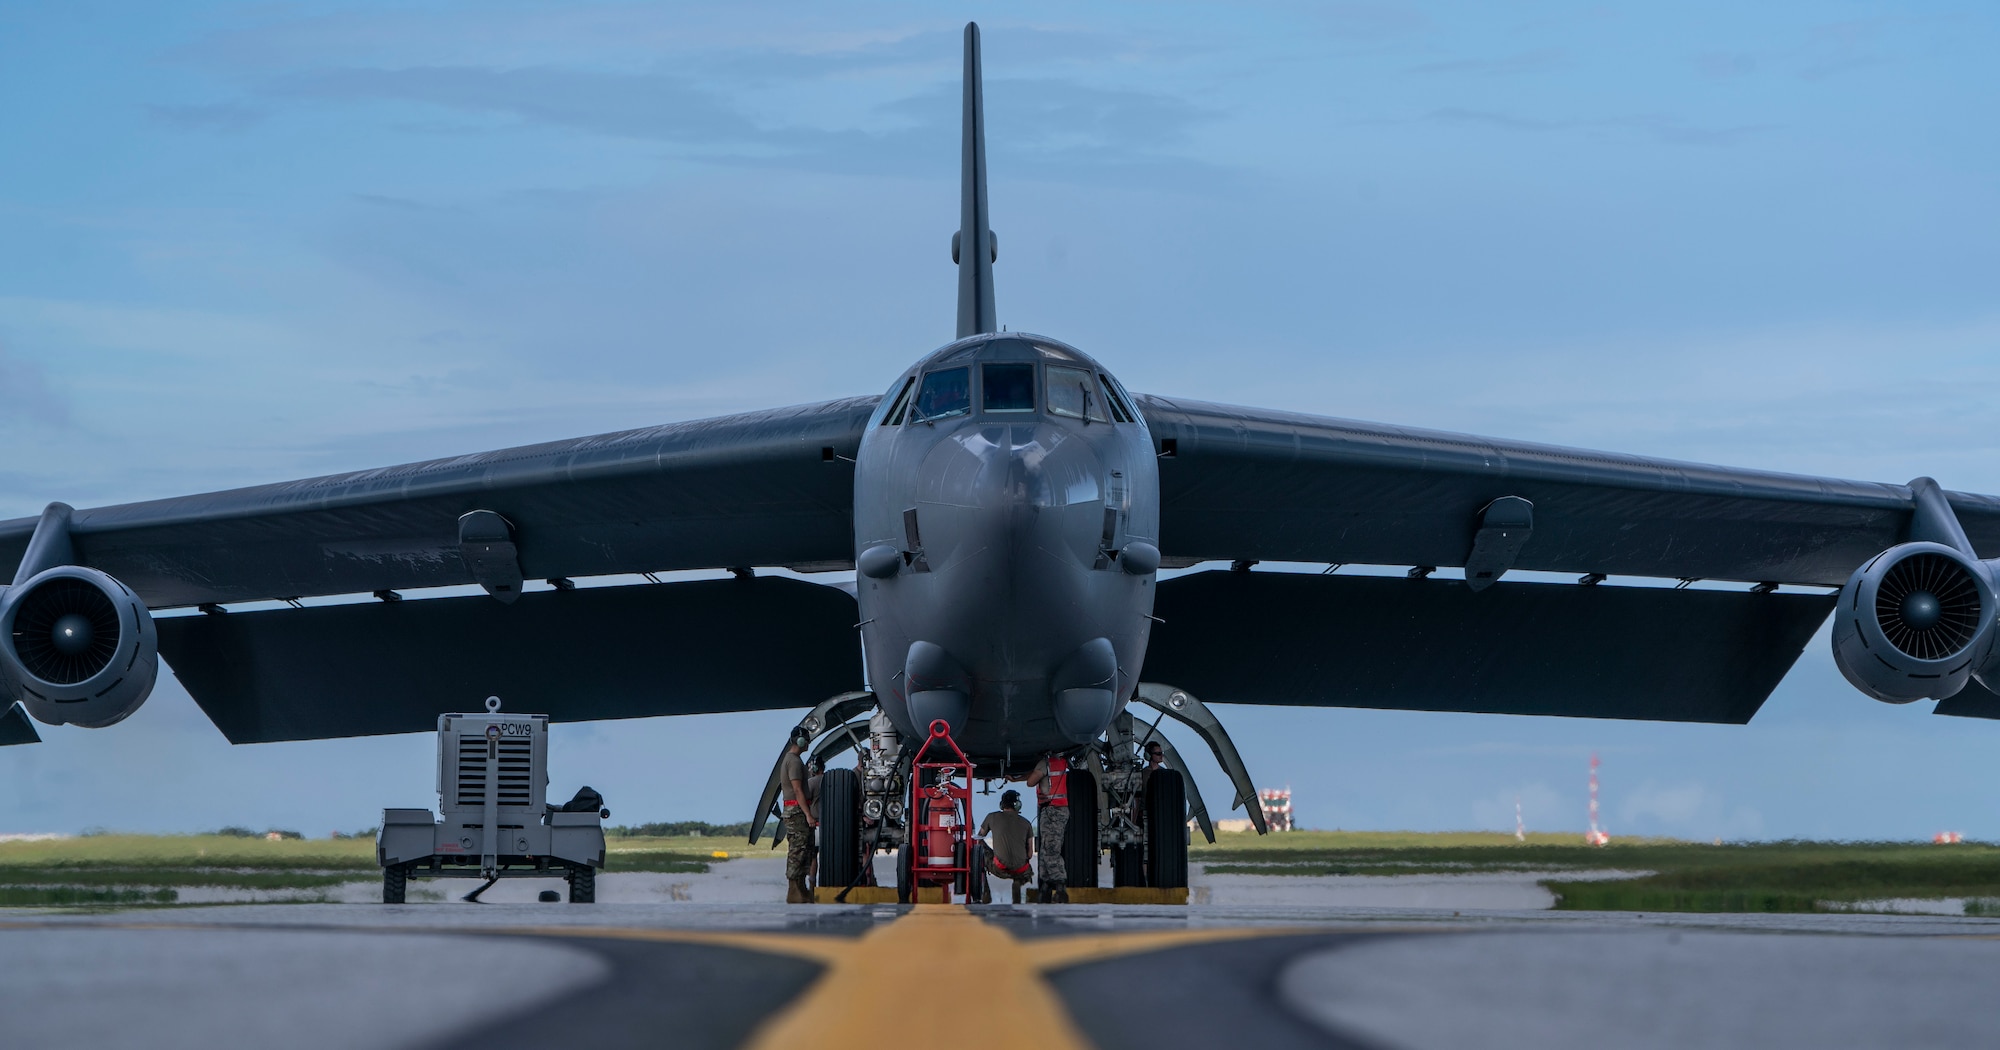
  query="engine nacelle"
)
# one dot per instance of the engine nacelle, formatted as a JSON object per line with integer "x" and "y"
{"x": 77, "y": 647}
{"x": 1914, "y": 622}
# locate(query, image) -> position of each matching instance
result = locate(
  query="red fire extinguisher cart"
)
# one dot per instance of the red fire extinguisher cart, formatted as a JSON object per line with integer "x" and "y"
{"x": 941, "y": 814}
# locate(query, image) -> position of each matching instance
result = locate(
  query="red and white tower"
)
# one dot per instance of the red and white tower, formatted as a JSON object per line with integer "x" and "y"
{"x": 1277, "y": 804}
{"x": 1595, "y": 836}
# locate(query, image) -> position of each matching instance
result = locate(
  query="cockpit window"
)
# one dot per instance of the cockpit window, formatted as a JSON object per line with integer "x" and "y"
{"x": 1073, "y": 394}
{"x": 1007, "y": 387}
{"x": 1120, "y": 411}
{"x": 895, "y": 414}
{"x": 945, "y": 393}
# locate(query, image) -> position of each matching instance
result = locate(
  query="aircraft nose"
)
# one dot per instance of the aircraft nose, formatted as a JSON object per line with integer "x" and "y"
{"x": 1014, "y": 492}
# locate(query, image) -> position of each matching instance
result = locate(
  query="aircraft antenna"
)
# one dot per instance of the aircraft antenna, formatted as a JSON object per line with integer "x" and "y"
{"x": 975, "y": 235}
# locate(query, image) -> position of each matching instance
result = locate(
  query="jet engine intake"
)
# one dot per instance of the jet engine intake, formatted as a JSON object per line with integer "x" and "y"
{"x": 77, "y": 647}
{"x": 1916, "y": 621}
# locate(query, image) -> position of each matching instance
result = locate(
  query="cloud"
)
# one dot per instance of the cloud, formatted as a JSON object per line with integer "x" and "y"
{"x": 1542, "y": 809}
{"x": 1367, "y": 21}
{"x": 1719, "y": 65}
{"x": 26, "y": 396}
{"x": 1056, "y": 129}
{"x": 1661, "y": 127}
{"x": 654, "y": 106}
{"x": 1525, "y": 62}
{"x": 217, "y": 117}
{"x": 1691, "y": 809}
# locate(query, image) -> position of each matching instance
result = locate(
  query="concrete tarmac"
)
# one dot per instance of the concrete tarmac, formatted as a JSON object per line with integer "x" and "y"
{"x": 1287, "y": 972}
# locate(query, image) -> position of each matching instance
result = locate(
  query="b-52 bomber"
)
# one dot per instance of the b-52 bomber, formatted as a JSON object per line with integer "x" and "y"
{"x": 1007, "y": 510}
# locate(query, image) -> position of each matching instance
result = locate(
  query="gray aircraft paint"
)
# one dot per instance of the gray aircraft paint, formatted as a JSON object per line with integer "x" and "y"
{"x": 1009, "y": 530}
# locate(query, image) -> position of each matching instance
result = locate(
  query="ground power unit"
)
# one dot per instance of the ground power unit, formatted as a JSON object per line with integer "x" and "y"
{"x": 494, "y": 821}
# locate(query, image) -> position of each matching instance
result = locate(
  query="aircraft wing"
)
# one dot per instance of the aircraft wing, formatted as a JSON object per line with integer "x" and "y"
{"x": 1246, "y": 484}
{"x": 762, "y": 488}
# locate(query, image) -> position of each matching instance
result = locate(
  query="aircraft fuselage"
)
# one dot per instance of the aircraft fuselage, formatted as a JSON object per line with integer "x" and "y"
{"x": 1006, "y": 495}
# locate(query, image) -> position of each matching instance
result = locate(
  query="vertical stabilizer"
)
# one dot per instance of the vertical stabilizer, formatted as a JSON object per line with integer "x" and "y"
{"x": 973, "y": 247}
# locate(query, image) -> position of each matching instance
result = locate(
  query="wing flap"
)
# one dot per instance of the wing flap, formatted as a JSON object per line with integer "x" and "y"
{"x": 595, "y": 652}
{"x": 1514, "y": 648}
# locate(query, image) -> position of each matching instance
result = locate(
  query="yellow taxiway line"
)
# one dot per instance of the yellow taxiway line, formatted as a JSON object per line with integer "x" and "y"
{"x": 938, "y": 970}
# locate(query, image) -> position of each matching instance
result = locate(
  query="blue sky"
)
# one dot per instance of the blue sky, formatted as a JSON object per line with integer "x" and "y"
{"x": 248, "y": 242}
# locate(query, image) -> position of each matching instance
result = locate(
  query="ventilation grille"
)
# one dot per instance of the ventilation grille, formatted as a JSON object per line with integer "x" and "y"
{"x": 58, "y": 612}
{"x": 1957, "y": 606}
{"x": 516, "y": 763}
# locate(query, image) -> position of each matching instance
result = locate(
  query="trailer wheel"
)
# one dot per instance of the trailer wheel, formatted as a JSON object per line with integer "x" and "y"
{"x": 906, "y": 881}
{"x": 1166, "y": 829}
{"x": 395, "y": 883}
{"x": 839, "y": 828}
{"x": 1080, "y": 840}
{"x": 583, "y": 884}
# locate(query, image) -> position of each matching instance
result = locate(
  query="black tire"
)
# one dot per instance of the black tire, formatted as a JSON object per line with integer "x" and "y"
{"x": 982, "y": 886}
{"x": 906, "y": 879}
{"x": 583, "y": 885}
{"x": 1166, "y": 830}
{"x": 395, "y": 883}
{"x": 839, "y": 828}
{"x": 1128, "y": 865}
{"x": 1080, "y": 840}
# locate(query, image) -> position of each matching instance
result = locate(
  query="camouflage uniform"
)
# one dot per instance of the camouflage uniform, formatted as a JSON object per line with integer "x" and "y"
{"x": 1054, "y": 825}
{"x": 799, "y": 848}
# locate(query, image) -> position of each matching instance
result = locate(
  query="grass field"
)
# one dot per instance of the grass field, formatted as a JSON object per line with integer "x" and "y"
{"x": 1684, "y": 876}
{"x": 152, "y": 870}
{"x": 129, "y": 870}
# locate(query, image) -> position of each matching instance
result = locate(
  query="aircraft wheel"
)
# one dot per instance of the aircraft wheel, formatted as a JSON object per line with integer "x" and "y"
{"x": 583, "y": 884}
{"x": 1128, "y": 865}
{"x": 1166, "y": 829}
{"x": 839, "y": 828}
{"x": 906, "y": 882}
{"x": 981, "y": 887}
{"x": 1080, "y": 840}
{"x": 395, "y": 883}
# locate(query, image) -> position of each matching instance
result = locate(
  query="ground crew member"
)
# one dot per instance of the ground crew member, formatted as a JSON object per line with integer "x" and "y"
{"x": 1013, "y": 844}
{"x": 1051, "y": 783}
{"x": 800, "y": 820}
{"x": 1156, "y": 758}
{"x": 815, "y": 772}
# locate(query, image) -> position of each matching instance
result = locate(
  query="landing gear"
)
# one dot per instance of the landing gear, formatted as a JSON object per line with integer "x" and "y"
{"x": 1166, "y": 830}
{"x": 1128, "y": 865}
{"x": 1140, "y": 816}
{"x": 839, "y": 828}
{"x": 980, "y": 890}
{"x": 862, "y": 809}
{"x": 1080, "y": 840}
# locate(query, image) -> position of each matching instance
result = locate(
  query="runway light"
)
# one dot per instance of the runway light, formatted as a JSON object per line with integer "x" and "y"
{"x": 721, "y": 854}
